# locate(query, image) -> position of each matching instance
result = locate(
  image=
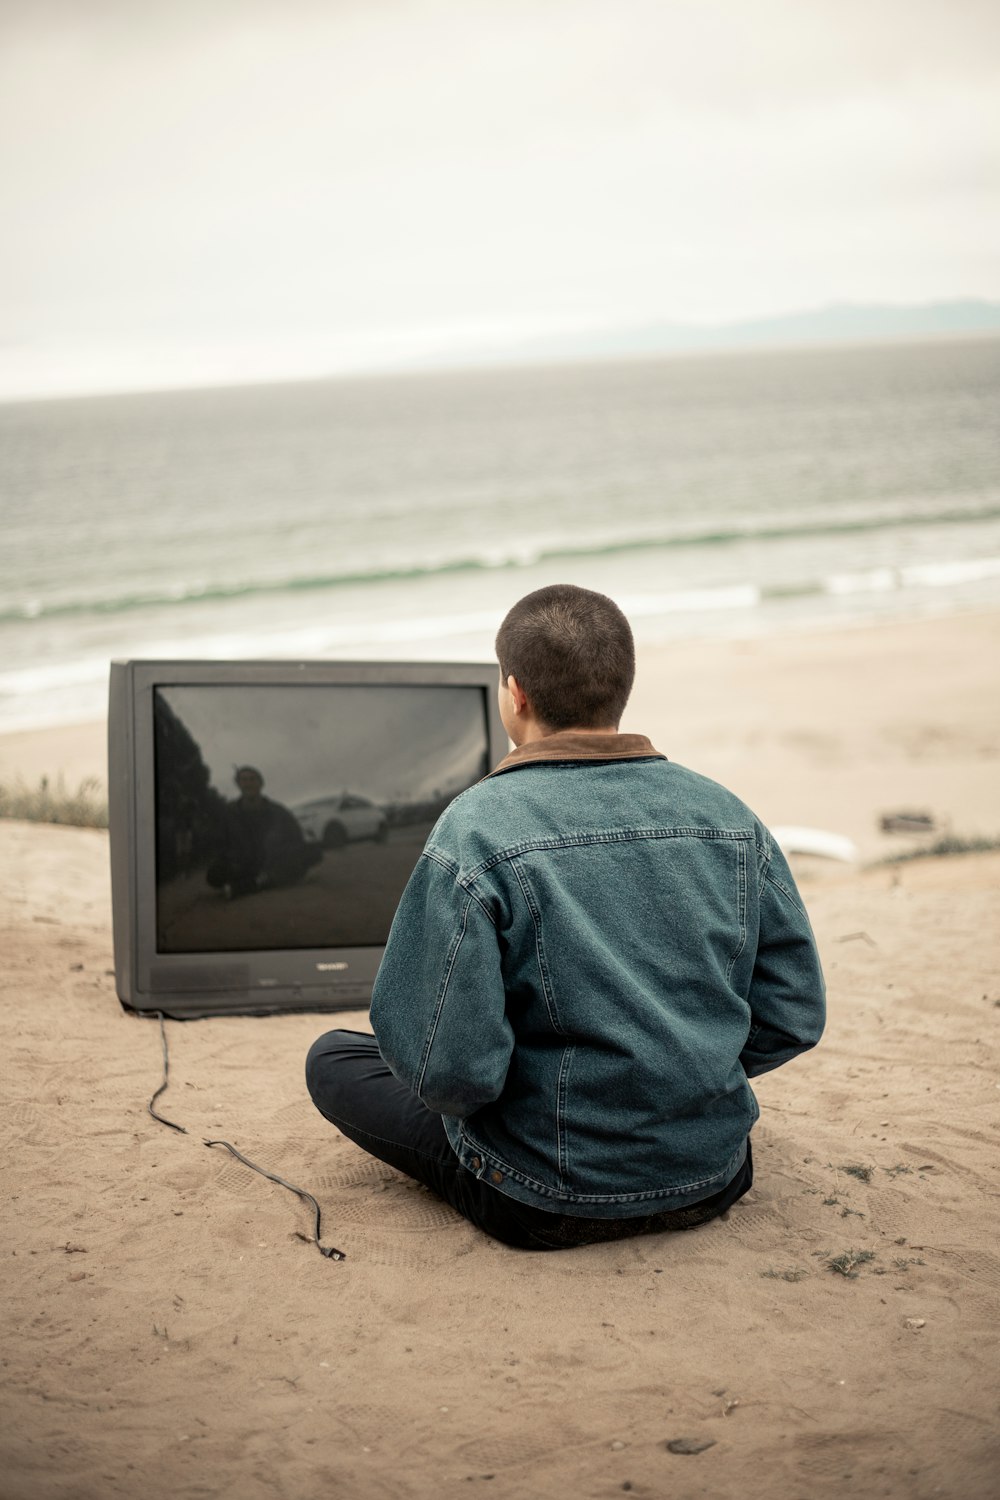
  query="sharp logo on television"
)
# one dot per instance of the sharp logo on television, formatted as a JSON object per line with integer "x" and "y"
{"x": 333, "y": 966}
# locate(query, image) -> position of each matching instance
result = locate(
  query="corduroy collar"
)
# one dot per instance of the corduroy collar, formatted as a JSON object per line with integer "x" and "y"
{"x": 579, "y": 744}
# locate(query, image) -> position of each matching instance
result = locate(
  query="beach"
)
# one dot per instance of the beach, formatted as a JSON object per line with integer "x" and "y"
{"x": 171, "y": 1331}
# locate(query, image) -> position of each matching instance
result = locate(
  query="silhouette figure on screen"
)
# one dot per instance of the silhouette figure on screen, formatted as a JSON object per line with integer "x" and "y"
{"x": 261, "y": 844}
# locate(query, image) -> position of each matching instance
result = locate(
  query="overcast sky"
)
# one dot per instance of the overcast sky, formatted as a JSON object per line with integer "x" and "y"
{"x": 196, "y": 190}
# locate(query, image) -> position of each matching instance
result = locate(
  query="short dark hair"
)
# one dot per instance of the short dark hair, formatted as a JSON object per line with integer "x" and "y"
{"x": 572, "y": 653}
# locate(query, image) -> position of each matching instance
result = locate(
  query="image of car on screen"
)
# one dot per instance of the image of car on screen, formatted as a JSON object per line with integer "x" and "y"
{"x": 341, "y": 819}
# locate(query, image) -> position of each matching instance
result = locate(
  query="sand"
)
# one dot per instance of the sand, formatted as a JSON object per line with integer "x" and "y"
{"x": 169, "y": 1331}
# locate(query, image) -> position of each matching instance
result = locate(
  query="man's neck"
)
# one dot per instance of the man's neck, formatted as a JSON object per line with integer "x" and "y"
{"x": 533, "y": 729}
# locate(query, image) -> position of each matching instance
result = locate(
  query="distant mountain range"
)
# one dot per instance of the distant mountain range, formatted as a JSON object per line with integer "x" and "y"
{"x": 838, "y": 324}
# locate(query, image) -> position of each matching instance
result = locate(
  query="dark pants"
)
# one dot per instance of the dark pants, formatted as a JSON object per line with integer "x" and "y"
{"x": 354, "y": 1089}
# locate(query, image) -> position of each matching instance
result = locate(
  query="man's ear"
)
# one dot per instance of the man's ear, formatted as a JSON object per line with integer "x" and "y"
{"x": 518, "y": 695}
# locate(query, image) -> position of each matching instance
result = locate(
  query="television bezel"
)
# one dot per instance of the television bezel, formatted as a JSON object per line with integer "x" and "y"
{"x": 191, "y": 985}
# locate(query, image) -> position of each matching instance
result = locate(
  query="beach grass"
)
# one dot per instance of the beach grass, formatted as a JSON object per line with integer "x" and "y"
{"x": 54, "y": 802}
{"x": 846, "y": 1264}
{"x": 948, "y": 844}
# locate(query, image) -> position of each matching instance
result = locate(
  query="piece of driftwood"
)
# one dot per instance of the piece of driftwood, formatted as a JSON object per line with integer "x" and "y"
{"x": 906, "y": 822}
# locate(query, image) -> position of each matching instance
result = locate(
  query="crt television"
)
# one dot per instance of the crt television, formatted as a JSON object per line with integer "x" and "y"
{"x": 265, "y": 817}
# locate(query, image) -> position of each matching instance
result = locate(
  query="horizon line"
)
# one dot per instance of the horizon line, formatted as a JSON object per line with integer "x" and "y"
{"x": 519, "y": 355}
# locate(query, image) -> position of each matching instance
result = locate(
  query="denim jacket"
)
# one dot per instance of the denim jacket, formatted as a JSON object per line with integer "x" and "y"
{"x": 595, "y": 951}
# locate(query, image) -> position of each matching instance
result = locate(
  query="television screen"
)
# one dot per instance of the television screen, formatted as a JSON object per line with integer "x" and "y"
{"x": 292, "y": 816}
{"x": 266, "y": 816}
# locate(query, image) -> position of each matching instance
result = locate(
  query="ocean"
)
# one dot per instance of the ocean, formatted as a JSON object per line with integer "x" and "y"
{"x": 399, "y": 517}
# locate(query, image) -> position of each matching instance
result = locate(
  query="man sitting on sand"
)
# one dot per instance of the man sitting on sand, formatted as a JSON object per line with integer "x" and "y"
{"x": 594, "y": 953}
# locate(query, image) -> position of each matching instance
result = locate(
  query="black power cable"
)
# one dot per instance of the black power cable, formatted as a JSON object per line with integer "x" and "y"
{"x": 166, "y": 1077}
{"x": 327, "y": 1250}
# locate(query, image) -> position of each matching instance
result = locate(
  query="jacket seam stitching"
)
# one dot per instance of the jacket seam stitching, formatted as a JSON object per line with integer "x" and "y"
{"x": 518, "y": 1175}
{"x": 765, "y": 864}
{"x": 741, "y": 898}
{"x": 780, "y": 885}
{"x": 465, "y": 885}
{"x": 442, "y": 860}
{"x": 442, "y": 993}
{"x": 562, "y": 1089}
{"x": 474, "y": 896}
{"x": 454, "y": 871}
{"x": 543, "y": 969}
{"x": 602, "y": 836}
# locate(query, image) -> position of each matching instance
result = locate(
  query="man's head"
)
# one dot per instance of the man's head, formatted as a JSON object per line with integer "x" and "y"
{"x": 250, "y": 782}
{"x": 569, "y": 652}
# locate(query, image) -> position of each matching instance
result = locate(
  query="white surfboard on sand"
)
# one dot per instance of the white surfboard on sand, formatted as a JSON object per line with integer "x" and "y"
{"x": 794, "y": 840}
